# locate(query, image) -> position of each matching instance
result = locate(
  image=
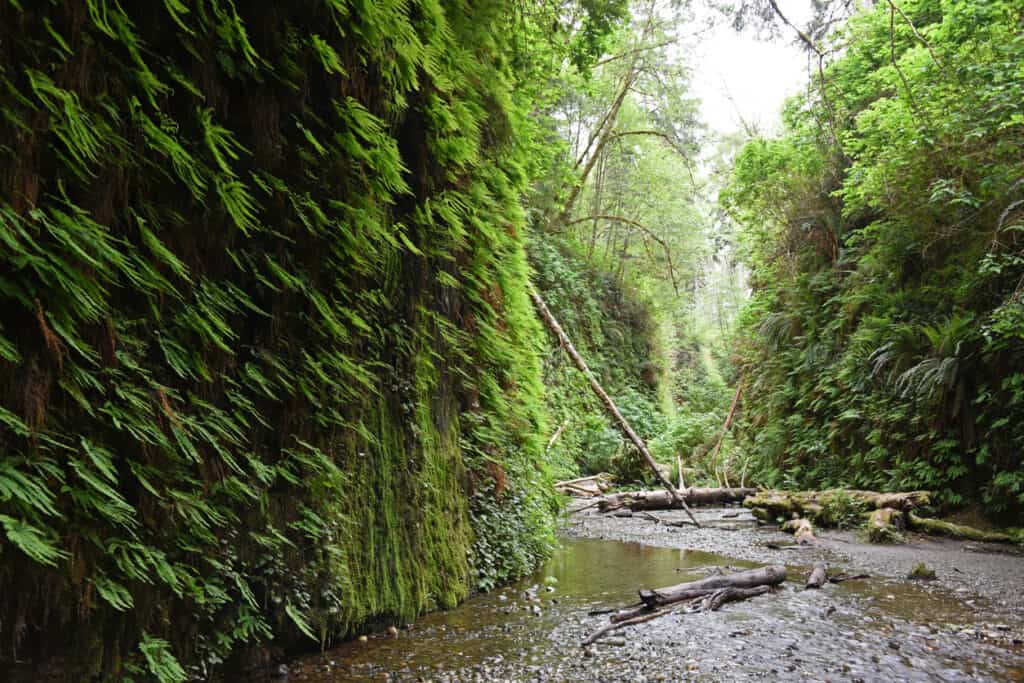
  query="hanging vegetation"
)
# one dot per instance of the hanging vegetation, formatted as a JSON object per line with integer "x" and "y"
{"x": 267, "y": 363}
{"x": 885, "y": 339}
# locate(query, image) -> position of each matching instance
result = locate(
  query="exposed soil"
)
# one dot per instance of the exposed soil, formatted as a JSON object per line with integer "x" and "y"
{"x": 966, "y": 625}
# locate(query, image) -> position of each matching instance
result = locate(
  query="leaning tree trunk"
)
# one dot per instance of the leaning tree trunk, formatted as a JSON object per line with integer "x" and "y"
{"x": 609, "y": 404}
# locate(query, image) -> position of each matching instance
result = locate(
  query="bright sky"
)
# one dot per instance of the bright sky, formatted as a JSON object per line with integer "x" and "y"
{"x": 757, "y": 74}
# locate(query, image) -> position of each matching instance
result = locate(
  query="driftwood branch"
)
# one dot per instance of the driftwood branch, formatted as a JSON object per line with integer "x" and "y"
{"x": 714, "y": 601}
{"x": 554, "y": 437}
{"x": 725, "y": 430}
{"x": 707, "y": 595}
{"x": 616, "y": 625}
{"x": 771, "y": 575}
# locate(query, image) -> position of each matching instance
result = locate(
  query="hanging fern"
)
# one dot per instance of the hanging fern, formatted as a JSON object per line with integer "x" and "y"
{"x": 253, "y": 360}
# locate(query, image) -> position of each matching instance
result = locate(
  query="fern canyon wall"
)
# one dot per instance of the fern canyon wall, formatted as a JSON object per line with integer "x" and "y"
{"x": 268, "y": 368}
{"x": 885, "y": 336}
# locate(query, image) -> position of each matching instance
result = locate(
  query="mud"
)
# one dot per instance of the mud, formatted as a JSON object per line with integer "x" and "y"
{"x": 964, "y": 626}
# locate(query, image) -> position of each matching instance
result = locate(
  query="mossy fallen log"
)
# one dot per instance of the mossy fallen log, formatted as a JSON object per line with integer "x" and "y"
{"x": 885, "y": 525}
{"x": 939, "y": 527}
{"x": 823, "y": 506}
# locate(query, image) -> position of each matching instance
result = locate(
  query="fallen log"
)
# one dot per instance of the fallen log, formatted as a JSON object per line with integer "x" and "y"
{"x": 708, "y": 599}
{"x": 884, "y": 525}
{"x": 587, "y": 487}
{"x": 579, "y": 491}
{"x": 765, "y": 576}
{"x": 663, "y": 500}
{"x": 967, "y": 533}
{"x": 609, "y": 404}
{"x": 802, "y": 529}
{"x": 772, "y": 504}
{"x": 818, "y": 576}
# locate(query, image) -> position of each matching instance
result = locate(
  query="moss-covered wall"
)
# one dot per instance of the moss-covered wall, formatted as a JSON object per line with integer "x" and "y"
{"x": 267, "y": 365}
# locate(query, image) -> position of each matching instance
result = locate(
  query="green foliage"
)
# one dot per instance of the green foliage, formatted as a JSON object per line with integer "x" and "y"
{"x": 161, "y": 663}
{"x": 616, "y": 332}
{"x": 841, "y": 511}
{"x": 264, "y": 327}
{"x": 685, "y": 434}
{"x": 884, "y": 338}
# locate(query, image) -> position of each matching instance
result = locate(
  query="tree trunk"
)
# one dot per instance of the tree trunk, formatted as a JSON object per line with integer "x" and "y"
{"x": 884, "y": 525}
{"x": 662, "y": 500}
{"x": 609, "y": 404}
{"x": 770, "y": 505}
{"x": 725, "y": 430}
{"x": 941, "y": 528}
{"x": 771, "y": 575}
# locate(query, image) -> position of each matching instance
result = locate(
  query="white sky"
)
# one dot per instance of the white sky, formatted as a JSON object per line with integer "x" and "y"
{"x": 759, "y": 75}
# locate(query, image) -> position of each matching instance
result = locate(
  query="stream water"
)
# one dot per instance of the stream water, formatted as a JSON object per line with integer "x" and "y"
{"x": 870, "y": 630}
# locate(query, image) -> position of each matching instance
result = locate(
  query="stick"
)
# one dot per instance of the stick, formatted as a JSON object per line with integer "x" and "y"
{"x": 725, "y": 429}
{"x": 714, "y": 601}
{"x": 609, "y": 404}
{"x": 586, "y": 507}
{"x": 554, "y": 438}
{"x": 847, "y": 577}
{"x": 614, "y": 626}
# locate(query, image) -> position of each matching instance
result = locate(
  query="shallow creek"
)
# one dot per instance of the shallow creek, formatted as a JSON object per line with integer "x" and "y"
{"x": 871, "y": 630}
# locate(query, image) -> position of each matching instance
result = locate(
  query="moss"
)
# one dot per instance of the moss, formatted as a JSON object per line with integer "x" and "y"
{"x": 922, "y": 572}
{"x": 264, "y": 334}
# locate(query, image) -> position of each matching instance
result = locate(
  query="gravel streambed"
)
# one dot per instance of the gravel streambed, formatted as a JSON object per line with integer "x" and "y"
{"x": 964, "y": 626}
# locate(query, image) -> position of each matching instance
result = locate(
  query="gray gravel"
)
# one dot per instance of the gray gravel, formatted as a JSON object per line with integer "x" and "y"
{"x": 964, "y": 626}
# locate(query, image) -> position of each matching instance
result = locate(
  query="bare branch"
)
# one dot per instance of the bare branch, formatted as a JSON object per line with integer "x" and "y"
{"x": 893, "y": 7}
{"x": 635, "y": 51}
{"x": 643, "y": 230}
